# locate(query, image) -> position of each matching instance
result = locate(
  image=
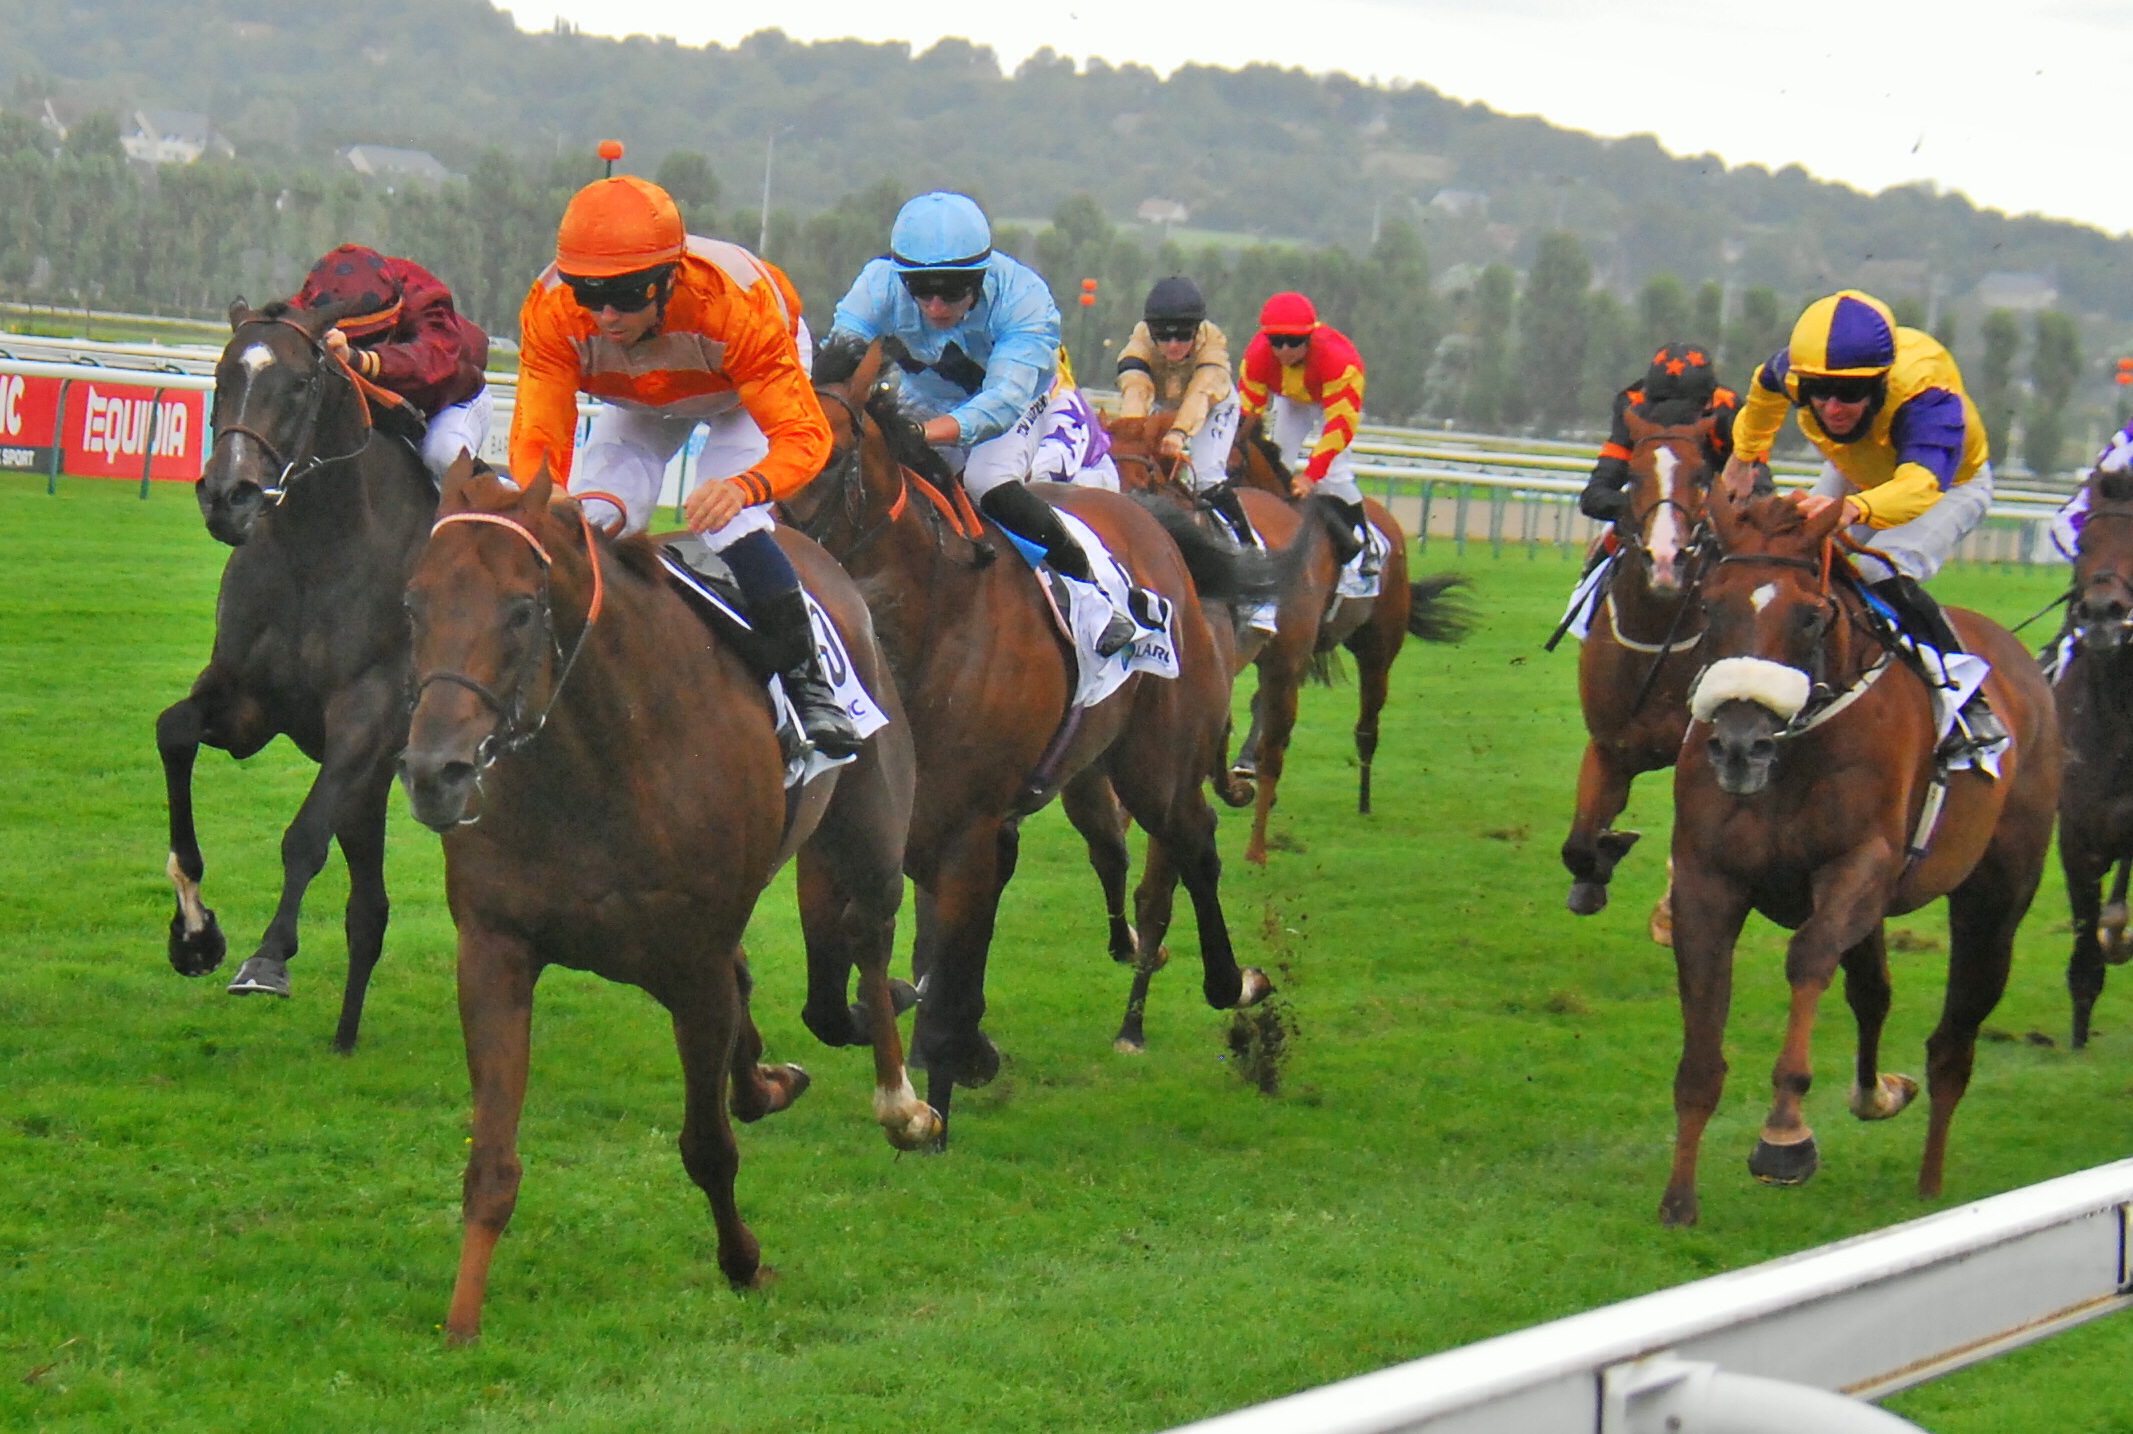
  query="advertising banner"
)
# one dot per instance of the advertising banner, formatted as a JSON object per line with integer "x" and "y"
{"x": 29, "y": 420}
{"x": 110, "y": 428}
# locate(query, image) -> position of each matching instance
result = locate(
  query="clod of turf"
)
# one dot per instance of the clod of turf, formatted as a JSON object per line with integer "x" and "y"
{"x": 1905, "y": 939}
{"x": 1259, "y": 1043}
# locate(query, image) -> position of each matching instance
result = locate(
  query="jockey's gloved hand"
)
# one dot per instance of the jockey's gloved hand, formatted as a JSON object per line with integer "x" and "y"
{"x": 1603, "y": 502}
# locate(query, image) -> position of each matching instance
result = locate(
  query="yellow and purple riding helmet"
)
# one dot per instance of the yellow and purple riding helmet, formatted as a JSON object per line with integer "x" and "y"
{"x": 1842, "y": 348}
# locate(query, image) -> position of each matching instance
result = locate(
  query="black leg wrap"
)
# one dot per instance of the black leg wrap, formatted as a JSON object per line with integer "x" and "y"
{"x": 1030, "y": 518}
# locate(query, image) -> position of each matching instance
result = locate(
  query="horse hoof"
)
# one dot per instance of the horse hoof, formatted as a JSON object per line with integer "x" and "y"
{"x": 1587, "y": 898}
{"x": 1662, "y": 924}
{"x": 920, "y": 1131}
{"x": 1162, "y": 958}
{"x": 787, "y": 1084}
{"x": 902, "y": 995}
{"x": 261, "y": 976}
{"x": 195, "y": 953}
{"x": 1240, "y": 791}
{"x": 1678, "y": 1212}
{"x": 1784, "y": 1164}
{"x": 1130, "y": 952}
{"x": 1888, "y": 1098}
{"x": 1255, "y": 987}
{"x": 2112, "y": 932}
{"x": 1128, "y": 1046}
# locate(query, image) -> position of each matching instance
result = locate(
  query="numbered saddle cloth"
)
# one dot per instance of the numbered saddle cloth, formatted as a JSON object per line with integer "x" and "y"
{"x": 1086, "y": 612}
{"x": 1354, "y": 583}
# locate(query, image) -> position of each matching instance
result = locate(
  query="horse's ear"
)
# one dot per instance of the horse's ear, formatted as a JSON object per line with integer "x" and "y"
{"x": 1727, "y": 512}
{"x": 1640, "y": 427}
{"x": 540, "y": 491}
{"x": 868, "y": 371}
{"x": 240, "y": 313}
{"x": 1826, "y": 522}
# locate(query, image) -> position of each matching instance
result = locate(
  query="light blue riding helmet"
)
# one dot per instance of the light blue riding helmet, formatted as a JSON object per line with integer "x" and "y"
{"x": 941, "y": 231}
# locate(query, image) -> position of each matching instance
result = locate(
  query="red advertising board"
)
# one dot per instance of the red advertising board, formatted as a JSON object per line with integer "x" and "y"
{"x": 110, "y": 427}
{"x": 29, "y": 411}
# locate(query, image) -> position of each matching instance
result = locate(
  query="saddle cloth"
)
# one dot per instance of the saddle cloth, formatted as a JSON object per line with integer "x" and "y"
{"x": 1352, "y": 583}
{"x": 1086, "y": 611}
{"x": 1584, "y": 598}
{"x": 704, "y": 579}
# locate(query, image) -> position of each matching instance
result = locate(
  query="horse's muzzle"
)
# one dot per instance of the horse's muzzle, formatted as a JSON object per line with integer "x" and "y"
{"x": 439, "y": 787}
{"x": 2102, "y": 626}
{"x": 1743, "y": 746}
{"x": 230, "y": 510}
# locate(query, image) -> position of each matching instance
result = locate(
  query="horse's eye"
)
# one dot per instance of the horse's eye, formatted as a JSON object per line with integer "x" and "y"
{"x": 518, "y": 613}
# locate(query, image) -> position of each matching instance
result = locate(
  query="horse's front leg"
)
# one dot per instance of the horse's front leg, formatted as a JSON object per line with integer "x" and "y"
{"x": 197, "y": 945}
{"x": 1593, "y": 848}
{"x": 496, "y": 976}
{"x": 1850, "y": 897}
{"x": 1711, "y": 911}
{"x": 1875, "y": 1095}
{"x": 2085, "y": 868}
{"x": 359, "y": 731}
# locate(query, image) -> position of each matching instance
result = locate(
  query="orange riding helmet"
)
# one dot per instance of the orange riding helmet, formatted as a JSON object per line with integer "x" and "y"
{"x": 622, "y": 225}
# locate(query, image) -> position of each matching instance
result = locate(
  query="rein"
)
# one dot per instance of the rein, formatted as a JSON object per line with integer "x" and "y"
{"x": 515, "y": 733}
{"x": 365, "y": 391}
{"x": 942, "y": 512}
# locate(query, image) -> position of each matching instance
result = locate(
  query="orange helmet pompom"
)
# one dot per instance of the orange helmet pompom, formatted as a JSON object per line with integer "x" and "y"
{"x": 619, "y": 226}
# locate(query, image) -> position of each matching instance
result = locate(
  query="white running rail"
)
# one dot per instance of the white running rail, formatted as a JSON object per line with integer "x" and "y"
{"x": 1865, "y": 1317}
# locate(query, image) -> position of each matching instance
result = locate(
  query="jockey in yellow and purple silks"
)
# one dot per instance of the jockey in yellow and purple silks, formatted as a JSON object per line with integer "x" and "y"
{"x": 1904, "y": 449}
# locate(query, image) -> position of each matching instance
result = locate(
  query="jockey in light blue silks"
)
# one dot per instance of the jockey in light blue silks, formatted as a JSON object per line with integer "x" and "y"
{"x": 980, "y": 352}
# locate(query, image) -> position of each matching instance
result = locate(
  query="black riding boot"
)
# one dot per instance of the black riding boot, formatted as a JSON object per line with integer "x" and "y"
{"x": 1921, "y": 615}
{"x": 1229, "y": 506}
{"x": 778, "y": 611}
{"x": 1344, "y": 524}
{"x": 1033, "y": 520}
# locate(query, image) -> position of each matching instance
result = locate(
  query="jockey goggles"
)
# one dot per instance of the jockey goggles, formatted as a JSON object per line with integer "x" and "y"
{"x": 1173, "y": 331}
{"x": 1288, "y": 341}
{"x": 624, "y": 293}
{"x": 1841, "y": 388}
{"x": 948, "y": 284}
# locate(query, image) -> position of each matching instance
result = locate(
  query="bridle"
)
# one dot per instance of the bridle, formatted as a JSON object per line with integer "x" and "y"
{"x": 2077, "y": 595}
{"x": 1824, "y": 702}
{"x": 306, "y": 441}
{"x": 513, "y": 731}
{"x": 851, "y": 500}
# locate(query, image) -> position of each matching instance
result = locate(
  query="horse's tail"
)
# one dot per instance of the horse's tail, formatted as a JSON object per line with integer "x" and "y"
{"x": 1435, "y": 610}
{"x": 1222, "y": 571}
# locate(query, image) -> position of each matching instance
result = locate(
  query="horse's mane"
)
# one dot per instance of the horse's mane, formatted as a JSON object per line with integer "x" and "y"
{"x": 637, "y": 554}
{"x": 1271, "y": 451}
{"x": 2111, "y": 487}
{"x": 836, "y": 360}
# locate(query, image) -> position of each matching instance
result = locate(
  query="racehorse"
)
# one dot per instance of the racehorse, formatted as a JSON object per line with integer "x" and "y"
{"x": 1634, "y": 689}
{"x": 2094, "y": 690}
{"x": 1808, "y": 789}
{"x": 988, "y": 683}
{"x": 313, "y": 479}
{"x": 610, "y": 788}
{"x": 1373, "y": 629}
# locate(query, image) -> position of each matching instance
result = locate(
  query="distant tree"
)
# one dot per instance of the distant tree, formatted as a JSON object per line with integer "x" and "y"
{"x": 1707, "y": 324}
{"x": 1949, "y": 329}
{"x": 1551, "y": 330}
{"x": 1994, "y": 391}
{"x": 1757, "y": 331}
{"x": 1613, "y": 359}
{"x": 1489, "y": 399}
{"x": 2054, "y": 369}
{"x": 95, "y": 136}
{"x": 687, "y": 176}
{"x": 20, "y": 133}
{"x": 1662, "y": 313}
{"x": 1396, "y": 321}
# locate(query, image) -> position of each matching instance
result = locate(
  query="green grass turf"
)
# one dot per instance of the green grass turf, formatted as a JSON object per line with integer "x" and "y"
{"x": 208, "y": 1221}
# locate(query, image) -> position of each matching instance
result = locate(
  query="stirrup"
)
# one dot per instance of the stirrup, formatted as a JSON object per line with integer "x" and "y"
{"x": 1977, "y": 728}
{"x": 1118, "y": 634}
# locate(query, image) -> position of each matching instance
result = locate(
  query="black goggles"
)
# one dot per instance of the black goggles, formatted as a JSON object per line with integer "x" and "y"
{"x": 950, "y": 284}
{"x": 1173, "y": 331}
{"x": 1289, "y": 341}
{"x": 624, "y": 293}
{"x": 1844, "y": 388}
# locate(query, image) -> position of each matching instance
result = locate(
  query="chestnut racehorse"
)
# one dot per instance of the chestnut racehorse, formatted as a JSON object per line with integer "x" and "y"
{"x": 1373, "y": 629}
{"x": 2095, "y": 698}
{"x": 1808, "y": 790}
{"x": 609, "y": 783}
{"x": 327, "y": 512}
{"x": 1642, "y": 649}
{"x": 988, "y": 682}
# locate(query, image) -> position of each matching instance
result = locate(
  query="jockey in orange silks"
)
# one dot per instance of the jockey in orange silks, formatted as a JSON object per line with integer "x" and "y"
{"x": 671, "y": 331}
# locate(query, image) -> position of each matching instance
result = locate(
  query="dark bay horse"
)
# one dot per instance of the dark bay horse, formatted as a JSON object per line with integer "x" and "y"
{"x": 988, "y": 682}
{"x": 1372, "y": 629}
{"x": 1807, "y": 790}
{"x": 327, "y": 512}
{"x": 1643, "y": 649}
{"x": 609, "y": 785}
{"x": 2094, "y": 691}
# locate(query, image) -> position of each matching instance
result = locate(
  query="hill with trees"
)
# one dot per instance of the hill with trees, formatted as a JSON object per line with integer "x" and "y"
{"x": 1425, "y": 225}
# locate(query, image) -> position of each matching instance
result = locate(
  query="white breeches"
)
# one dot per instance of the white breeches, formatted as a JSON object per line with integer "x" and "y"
{"x": 462, "y": 427}
{"x": 1919, "y": 547}
{"x": 1005, "y": 459}
{"x": 1208, "y": 450}
{"x": 1294, "y": 427}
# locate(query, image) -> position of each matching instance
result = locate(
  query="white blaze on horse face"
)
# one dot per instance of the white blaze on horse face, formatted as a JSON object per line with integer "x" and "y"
{"x": 1665, "y": 542}
{"x": 255, "y": 357}
{"x": 1763, "y": 596}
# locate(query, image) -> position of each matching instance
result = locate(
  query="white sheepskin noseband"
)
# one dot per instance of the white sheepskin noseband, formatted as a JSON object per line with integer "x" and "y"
{"x": 1783, "y": 690}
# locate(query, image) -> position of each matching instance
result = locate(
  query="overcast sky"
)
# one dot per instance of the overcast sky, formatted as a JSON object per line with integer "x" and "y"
{"x": 2023, "y": 106}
